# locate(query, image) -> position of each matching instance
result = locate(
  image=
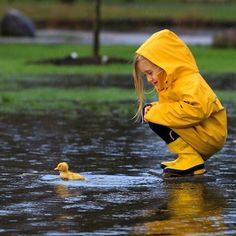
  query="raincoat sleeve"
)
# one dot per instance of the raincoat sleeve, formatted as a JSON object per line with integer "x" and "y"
{"x": 191, "y": 103}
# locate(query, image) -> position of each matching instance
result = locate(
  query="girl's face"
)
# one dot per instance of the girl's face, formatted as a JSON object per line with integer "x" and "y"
{"x": 152, "y": 72}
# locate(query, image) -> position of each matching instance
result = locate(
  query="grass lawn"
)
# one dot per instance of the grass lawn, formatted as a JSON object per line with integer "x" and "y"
{"x": 16, "y": 59}
{"x": 44, "y": 99}
{"x": 15, "y": 66}
{"x": 111, "y": 100}
{"x": 52, "y": 10}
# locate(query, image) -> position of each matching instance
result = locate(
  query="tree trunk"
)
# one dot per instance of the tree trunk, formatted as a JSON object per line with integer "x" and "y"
{"x": 96, "y": 29}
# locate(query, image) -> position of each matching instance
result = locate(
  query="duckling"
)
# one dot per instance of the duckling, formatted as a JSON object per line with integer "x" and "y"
{"x": 63, "y": 168}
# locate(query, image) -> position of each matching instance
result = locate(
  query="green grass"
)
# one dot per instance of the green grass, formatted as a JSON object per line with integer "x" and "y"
{"x": 227, "y": 96}
{"x": 67, "y": 101}
{"x": 52, "y": 11}
{"x": 44, "y": 99}
{"x": 16, "y": 59}
{"x": 15, "y": 66}
{"x": 215, "y": 60}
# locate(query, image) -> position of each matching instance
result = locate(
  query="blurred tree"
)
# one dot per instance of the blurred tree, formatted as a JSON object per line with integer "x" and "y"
{"x": 96, "y": 29}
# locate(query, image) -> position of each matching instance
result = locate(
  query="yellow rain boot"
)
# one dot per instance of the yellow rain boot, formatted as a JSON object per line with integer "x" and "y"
{"x": 172, "y": 163}
{"x": 188, "y": 162}
{"x": 165, "y": 164}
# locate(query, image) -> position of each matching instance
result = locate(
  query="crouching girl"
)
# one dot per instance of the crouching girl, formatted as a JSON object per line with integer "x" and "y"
{"x": 188, "y": 116}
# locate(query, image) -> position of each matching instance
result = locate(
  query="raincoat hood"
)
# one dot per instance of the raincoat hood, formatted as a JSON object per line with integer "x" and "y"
{"x": 166, "y": 50}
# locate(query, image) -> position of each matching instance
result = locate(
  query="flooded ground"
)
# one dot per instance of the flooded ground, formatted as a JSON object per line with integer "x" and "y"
{"x": 119, "y": 195}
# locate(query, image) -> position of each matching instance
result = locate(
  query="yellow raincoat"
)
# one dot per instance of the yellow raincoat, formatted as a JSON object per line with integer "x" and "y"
{"x": 186, "y": 103}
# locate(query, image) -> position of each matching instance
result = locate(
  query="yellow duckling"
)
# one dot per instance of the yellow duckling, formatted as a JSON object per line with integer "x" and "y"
{"x": 63, "y": 168}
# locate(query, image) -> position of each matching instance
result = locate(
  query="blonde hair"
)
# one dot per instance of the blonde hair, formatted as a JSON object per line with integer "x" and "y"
{"x": 139, "y": 87}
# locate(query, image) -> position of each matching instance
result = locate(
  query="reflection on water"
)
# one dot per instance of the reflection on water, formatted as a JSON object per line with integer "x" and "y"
{"x": 192, "y": 208}
{"x": 119, "y": 196}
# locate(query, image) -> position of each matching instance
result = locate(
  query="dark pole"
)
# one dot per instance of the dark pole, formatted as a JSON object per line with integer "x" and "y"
{"x": 96, "y": 29}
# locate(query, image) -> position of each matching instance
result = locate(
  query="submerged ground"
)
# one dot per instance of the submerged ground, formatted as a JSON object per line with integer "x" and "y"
{"x": 119, "y": 196}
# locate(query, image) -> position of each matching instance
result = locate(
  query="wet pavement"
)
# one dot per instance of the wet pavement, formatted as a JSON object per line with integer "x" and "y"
{"x": 119, "y": 195}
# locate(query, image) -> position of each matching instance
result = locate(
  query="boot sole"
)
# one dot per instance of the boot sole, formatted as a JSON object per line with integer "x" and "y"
{"x": 190, "y": 171}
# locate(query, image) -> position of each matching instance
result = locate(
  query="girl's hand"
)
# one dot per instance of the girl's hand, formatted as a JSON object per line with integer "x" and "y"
{"x": 146, "y": 109}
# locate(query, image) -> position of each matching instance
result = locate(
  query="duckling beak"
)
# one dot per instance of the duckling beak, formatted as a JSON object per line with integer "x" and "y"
{"x": 56, "y": 168}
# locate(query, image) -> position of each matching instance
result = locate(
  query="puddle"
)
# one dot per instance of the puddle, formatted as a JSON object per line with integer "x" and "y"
{"x": 119, "y": 195}
{"x": 102, "y": 181}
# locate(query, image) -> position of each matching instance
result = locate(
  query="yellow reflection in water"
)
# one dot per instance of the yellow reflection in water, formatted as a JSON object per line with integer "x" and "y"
{"x": 62, "y": 191}
{"x": 193, "y": 208}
